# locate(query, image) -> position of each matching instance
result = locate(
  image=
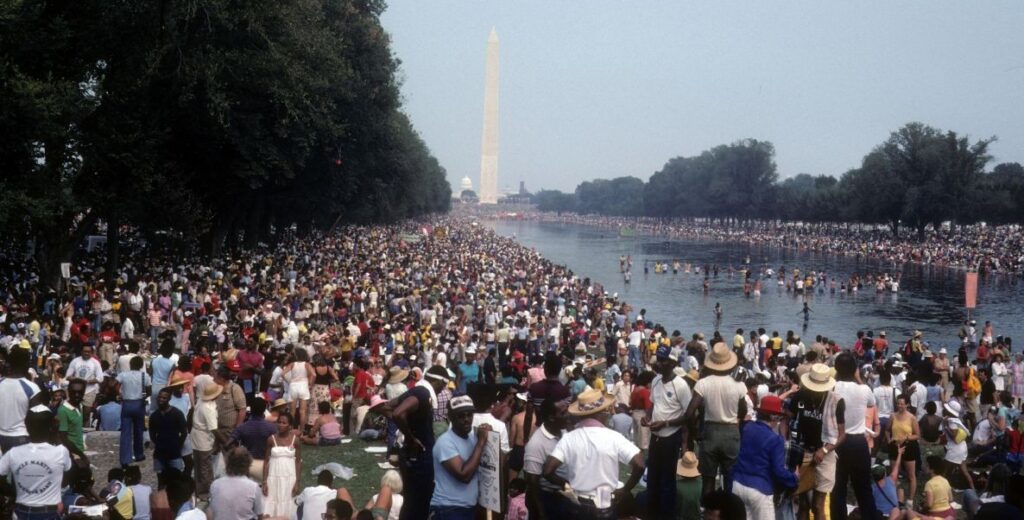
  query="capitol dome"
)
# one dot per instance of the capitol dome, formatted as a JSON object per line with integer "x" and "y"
{"x": 467, "y": 184}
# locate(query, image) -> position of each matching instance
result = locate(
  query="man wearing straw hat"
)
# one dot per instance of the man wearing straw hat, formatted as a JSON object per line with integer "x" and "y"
{"x": 670, "y": 396}
{"x": 819, "y": 426}
{"x": 592, "y": 453}
{"x": 724, "y": 402}
{"x": 204, "y": 424}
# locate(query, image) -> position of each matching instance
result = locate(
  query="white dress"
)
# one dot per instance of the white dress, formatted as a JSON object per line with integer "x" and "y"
{"x": 280, "y": 480}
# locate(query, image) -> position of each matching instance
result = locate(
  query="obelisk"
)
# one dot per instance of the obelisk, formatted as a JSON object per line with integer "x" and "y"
{"x": 489, "y": 145}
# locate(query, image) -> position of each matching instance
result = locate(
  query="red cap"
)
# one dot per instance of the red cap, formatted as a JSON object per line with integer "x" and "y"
{"x": 234, "y": 365}
{"x": 770, "y": 404}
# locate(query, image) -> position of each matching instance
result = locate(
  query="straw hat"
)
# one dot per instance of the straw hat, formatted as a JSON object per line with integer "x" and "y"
{"x": 397, "y": 375}
{"x": 687, "y": 466}
{"x": 177, "y": 380}
{"x": 278, "y": 403}
{"x": 591, "y": 402}
{"x": 952, "y": 407}
{"x": 211, "y": 391}
{"x": 721, "y": 358}
{"x": 818, "y": 378}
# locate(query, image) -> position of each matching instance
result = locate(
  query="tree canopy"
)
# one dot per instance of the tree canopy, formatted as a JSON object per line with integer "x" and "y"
{"x": 220, "y": 121}
{"x": 919, "y": 176}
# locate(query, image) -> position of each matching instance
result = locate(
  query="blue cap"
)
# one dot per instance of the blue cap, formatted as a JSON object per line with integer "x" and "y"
{"x": 665, "y": 352}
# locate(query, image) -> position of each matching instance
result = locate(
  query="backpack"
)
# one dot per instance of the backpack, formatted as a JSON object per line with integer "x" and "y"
{"x": 972, "y": 385}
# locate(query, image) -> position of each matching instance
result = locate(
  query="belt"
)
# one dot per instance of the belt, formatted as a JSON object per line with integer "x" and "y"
{"x": 719, "y": 423}
{"x": 36, "y": 509}
{"x": 590, "y": 502}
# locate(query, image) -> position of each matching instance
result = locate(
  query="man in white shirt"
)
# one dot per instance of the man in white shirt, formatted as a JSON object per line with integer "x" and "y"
{"x": 670, "y": 396}
{"x": 17, "y": 395}
{"x": 918, "y": 396}
{"x": 592, "y": 453}
{"x": 724, "y": 402}
{"x": 313, "y": 500}
{"x": 853, "y": 459}
{"x": 543, "y": 497}
{"x": 87, "y": 368}
{"x": 35, "y": 469}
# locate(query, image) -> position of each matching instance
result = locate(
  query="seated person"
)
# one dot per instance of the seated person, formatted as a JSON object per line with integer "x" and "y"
{"x": 118, "y": 496}
{"x": 938, "y": 494}
{"x": 326, "y": 429}
{"x": 79, "y": 491}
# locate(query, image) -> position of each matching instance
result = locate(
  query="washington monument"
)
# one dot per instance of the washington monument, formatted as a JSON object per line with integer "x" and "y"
{"x": 489, "y": 146}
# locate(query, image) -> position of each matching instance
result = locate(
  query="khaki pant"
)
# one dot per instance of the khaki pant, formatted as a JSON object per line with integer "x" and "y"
{"x": 641, "y": 434}
{"x": 203, "y": 461}
{"x": 256, "y": 470}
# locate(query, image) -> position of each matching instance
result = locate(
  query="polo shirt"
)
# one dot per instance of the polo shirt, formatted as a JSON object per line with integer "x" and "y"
{"x": 253, "y": 434}
{"x": 541, "y": 444}
{"x": 69, "y": 422}
{"x": 36, "y": 470}
{"x": 448, "y": 490}
{"x": 721, "y": 397}
{"x": 592, "y": 454}
{"x": 15, "y": 395}
{"x": 670, "y": 401}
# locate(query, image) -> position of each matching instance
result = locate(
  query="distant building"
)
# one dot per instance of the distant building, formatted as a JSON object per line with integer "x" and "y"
{"x": 467, "y": 184}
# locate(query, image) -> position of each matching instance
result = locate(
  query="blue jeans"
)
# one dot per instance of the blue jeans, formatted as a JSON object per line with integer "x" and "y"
{"x": 555, "y": 505}
{"x": 24, "y": 514}
{"x": 6, "y": 443}
{"x": 634, "y": 360}
{"x": 661, "y": 475}
{"x": 451, "y": 513}
{"x": 133, "y": 416}
{"x": 160, "y": 465}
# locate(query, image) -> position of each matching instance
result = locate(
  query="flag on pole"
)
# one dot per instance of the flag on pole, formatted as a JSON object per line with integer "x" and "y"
{"x": 971, "y": 290}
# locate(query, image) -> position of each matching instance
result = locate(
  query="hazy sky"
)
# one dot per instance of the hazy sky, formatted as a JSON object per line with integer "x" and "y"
{"x": 601, "y": 88}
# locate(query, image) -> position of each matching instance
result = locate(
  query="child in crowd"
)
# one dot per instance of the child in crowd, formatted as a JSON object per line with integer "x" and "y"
{"x": 517, "y": 500}
{"x": 688, "y": 487}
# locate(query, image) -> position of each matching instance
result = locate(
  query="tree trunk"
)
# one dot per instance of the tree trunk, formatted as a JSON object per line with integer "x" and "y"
{"x": 113, "y": 243}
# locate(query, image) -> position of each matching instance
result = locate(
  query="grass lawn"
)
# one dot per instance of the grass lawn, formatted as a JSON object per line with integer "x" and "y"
{"x": 366, "y": 480}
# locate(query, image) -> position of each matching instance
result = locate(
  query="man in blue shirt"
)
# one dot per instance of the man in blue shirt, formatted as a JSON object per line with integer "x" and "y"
{"x": 253, "y": 434}
{"x": 761, "y": 464}
{"x": 456, "y": 459}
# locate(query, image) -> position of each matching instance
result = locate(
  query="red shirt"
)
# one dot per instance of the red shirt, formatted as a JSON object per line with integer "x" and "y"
{"x": 250, "y": 361}
{"x": 362, "y": 385}
{"x": 640, "y": 399}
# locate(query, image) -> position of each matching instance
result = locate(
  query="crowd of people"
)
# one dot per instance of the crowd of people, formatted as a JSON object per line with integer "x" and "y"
{"x": 439, "y": 338}
{"x": 988, "y": 249}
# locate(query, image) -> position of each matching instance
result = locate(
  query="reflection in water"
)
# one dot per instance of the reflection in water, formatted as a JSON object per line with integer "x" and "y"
{"x": 930, "y": 299}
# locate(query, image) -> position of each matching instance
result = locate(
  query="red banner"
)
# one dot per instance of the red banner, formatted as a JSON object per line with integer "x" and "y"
{"x": 971, "y": 290}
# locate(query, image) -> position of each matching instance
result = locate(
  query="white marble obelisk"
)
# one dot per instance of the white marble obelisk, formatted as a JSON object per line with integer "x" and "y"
{"x": 489, "y": 146}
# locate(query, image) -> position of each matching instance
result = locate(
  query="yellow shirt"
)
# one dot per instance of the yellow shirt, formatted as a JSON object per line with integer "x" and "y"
{"x": 940, "y": 491}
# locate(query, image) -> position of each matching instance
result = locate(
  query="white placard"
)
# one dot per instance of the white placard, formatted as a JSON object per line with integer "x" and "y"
{"x": 489, "y": 474}
{"x": 65, "y": 269}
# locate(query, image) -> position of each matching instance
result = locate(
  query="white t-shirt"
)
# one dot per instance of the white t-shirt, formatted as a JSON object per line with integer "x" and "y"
{"x": 15, "y": 394}
{"x": 89, "y": 370}
{"x": 36, "y": 469}
{"x": 884, "y": 400}
{"x": 592, "y": 455}
{"x": 635, "y": 338}
{"x": 670, "y": 402}
{"x": 496, "y": 425}
{"x": 983, "y": 432}
{"x": 858, "y": 399}
{"x": 721, "y": 395}
{"x": 314, "y": 501}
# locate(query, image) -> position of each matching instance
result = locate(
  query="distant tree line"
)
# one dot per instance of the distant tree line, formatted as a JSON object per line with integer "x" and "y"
{"x": 919, "y": 177}
{"x": 215, "y": 121}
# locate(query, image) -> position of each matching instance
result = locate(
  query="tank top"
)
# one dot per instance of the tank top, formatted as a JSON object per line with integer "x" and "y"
{"x": 330, "y": 430}
{"x": 298, "y": 373}
{"x": 901, "y": 429}
{"x": 322, "y": 379}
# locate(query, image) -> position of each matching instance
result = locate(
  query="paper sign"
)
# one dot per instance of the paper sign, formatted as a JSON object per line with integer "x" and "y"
{"x": 65, "y": 269}
{"x": 489, "y": 474}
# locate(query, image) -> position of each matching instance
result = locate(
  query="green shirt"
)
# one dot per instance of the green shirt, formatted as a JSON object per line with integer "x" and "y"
{"x": 69, "y": 420}
{"x": 688, "y": 492}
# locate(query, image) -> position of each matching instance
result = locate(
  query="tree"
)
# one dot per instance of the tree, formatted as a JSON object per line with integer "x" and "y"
{"x": 554, "y": 200}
